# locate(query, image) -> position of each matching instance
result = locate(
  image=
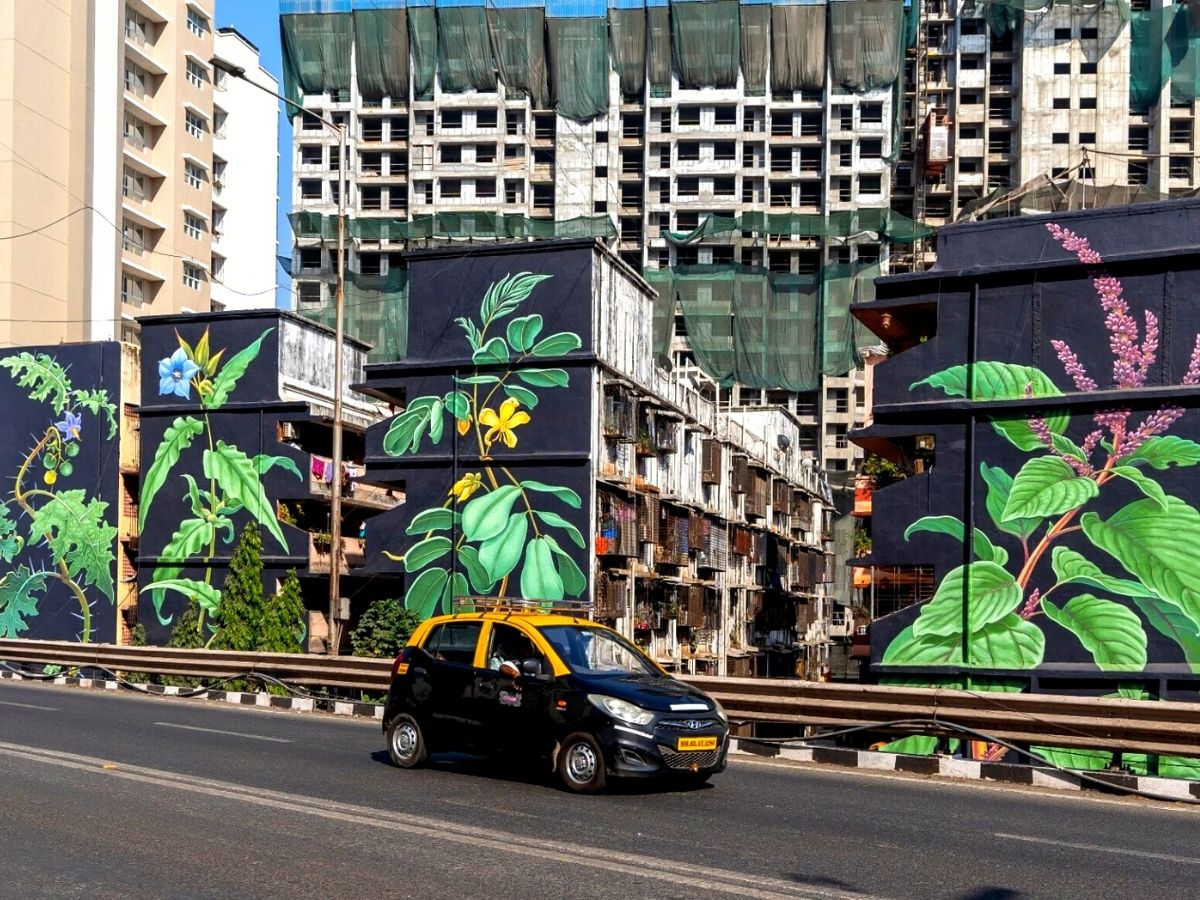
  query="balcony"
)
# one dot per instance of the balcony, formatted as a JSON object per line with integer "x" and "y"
{"x": 320, "y": 556}
{"x": 354, "y": 493}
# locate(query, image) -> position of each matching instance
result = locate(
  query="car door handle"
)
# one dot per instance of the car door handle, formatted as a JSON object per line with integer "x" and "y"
{"x": 419, "y": 671}
{"x": 487, "y": 688}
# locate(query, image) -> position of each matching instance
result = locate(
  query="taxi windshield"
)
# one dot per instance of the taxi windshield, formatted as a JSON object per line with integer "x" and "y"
{"x": 596, "y": 651}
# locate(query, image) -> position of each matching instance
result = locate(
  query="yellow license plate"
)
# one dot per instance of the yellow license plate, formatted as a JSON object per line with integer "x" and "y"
{"x": 696, "y": 743}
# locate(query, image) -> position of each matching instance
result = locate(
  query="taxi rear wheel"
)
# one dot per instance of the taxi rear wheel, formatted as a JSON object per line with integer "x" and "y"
{"x": 581, "y": 764}
{"x": 406, "y": 743}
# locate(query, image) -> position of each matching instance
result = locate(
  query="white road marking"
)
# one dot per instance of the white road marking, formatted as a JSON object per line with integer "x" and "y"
{"x": 241, "y": 734}
{"x": 696, "y": 877}
{"x": 1186, "y": 860}
{"x": 29, "y": 706}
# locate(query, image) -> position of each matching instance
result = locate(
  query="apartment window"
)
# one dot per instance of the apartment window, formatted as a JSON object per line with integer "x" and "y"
{"x": 452, "y": 118}
{"x": 370, "y": 164}
{"x": 871, "y": 149}
{"x": 600, "y": 206}
{"x": 1060, "y": 137}
{"x": 193, "y": 124}
{"x": 845, "y": 189}
{"x": 1138, "y": 172}
{"x": 397, "y": 198}
{"x": 689, "y": 116}
{"x": 193, "y": 226}
{"x": 1087, "y": 102}
{"x": 514, "y": 151}
{"x": 1180, "y": 167}
{"x": 1062, "y": 102}
{"x": 543, "y": 196}
{"x": 871, "y": 113}
{"x": 1087, "y": 137}
{"x": 133, "y": 238}
{"x": 137, "y": 28}
{"x": 1062, "y": 68}
{"x": 514, "y": 123}
{"x": 725, "y": 115}
{"x": 372, "y": 130}
{"x": 451, "y": 153}
{"x": 1181, "y": 131}
{"x": 754, "y": 119}
{"x": 600, "y": 172}
{"x": 544, "y": 127}
{"x": 196, "y": 23}
{"x": 197, "y": 74}
{"x": 194, "y": 175}
{"x": 398, "y": 127}
{"x": 688, "y": 187}
{"x": 135, "y": 133}
{"x": 370, "y": 264}
{"x": 1089, "y": 34}
{"x": 724, "y": 187}
{"x": 192, "y": 276}
{"x": 810, "y": 194}
{"x": 810, "y": 124}
{"x": 136, "y": 81}
{"x": 1062, "y": 34}
{"x": 485, "y": 153}
{"x": 310, "y": 189}
{"x": 485, "y": 118}
{"x": 1139, "y": 138}
{"x": 423, "y": 191}
{"x": 310, "y": 122}
{"x": 309, "y": 293}
{"x": 1000, "y": 108}
{"x": 514, "y": 191}
{"x": 371, "y": 197}
{"x": 311, "y": 155}
{"x": 1087, "y": 68}
{"x": 133, "y": 291}
{"x": 725, "y": 151}
{"x": 870, "y": 184}
{"x": 133, "y": 184}
{"x": 451, "y": 188}
{"x": 689, "y": 151}
{"x": 485, "y": 188}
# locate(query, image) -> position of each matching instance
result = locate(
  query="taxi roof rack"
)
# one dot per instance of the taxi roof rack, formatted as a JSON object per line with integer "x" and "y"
{"x": 516, "y": 604}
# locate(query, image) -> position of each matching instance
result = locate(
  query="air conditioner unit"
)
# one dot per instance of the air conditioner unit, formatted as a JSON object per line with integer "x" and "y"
{"x": 287, "y": 431}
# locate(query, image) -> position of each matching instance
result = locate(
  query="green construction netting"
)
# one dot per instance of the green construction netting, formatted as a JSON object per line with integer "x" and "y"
{"x": 866, "y": 43}
{"x": 1183, "y": 42}
{"x": 765, "y": 329}
{"x": 706, "y": 43}
{"x": 579, "y": 65}
{"x": 451, "y": 226}
{"x": 422, "y": 41}
{"x": 376, "y": 312}
{"x": 756, "y": 40}
{"x": 798, "y": 47}
{"x": 1005, "y": 15}
{"x": 464, "y": 50}
{"x": 381, "y": 53}
{"x": 627, "y": 32}
{"x": 520, "y": 50}
{"x": 1163, "y": 43}
{"x": 664, "y": 312}
{"x": 887, "y": 223}
{"x": 316, "y": 53}
{"x": 658, "y": 50}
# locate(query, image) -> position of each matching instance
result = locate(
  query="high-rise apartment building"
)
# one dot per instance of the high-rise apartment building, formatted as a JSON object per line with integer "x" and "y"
{"x": 105, "y": 166}
{"x": 245, "y": 196}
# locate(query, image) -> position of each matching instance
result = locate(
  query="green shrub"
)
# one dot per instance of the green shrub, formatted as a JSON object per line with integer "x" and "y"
{"x": 384, "y": 629}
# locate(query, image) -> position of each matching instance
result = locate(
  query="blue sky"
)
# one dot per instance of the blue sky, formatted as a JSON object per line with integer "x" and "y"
{"x": 258, "y": 20}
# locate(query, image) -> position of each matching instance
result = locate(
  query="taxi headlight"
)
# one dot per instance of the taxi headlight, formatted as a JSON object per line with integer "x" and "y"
{"x": 621, "y": 709}
{"x": 720, "y": 711}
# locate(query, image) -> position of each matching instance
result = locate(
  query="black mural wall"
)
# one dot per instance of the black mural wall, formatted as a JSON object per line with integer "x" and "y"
{"x": 211, "y": 459}
{"x": 493, "y": 444}
{"x": 1073, "y": 454}
{"x": 58, "y": 525}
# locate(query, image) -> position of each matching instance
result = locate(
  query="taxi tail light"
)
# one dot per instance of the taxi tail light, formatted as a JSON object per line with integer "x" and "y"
{"x": 400, "y": 663}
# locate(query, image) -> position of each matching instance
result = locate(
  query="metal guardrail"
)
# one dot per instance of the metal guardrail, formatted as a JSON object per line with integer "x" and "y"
{"x": 1137, "y": 726}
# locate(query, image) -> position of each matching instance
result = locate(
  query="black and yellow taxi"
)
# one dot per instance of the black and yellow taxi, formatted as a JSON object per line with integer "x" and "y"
{"x": 505, "y": 679}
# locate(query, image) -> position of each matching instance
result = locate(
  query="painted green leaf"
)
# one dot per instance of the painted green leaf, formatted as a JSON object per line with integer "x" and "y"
{"x": 436, "y": 421}
{"x": 539, "y": 575}
{"x": 906, "y": 649}
{"x": 227, "y": 378}
{"x": 1110, "y": 632}
{"x": 1047, "y": 486}
{"x": 1011, "y": 643}
{"x": 507, "y": 294}
{"x": 574, "y": 581}
{"x": 11, "y": 543}
{"x": 470, "y": 329}
{"x": 425, "y": 593}
{"x": 456, "y": 588}
{"x": 194, "y": 496}
{"x": 1164, "y": 452}
{"x": 493, "y": 353}
{"x": 159, "y": 594}
{"x": 264, "y": 463}
{"x": 404, "y": 433}
{"x": 1172, "y": 622}
{"x": 993, "y": 594}
{"x": 913, "y": 745}
{"x": 984, "y": 548}
{"x": 458, "y": 403}
{"x": 437, "y": 519}
{"x": 500, "y": 554}
{"x": 1071, "y": 567}
{"x": 1156, "y": 547}
{"x": 193, "y": 536}
{"x": 97, "y": 403}
{"x": 556, "y": 521}
{"x": 1131, "y": 690}
{"x": 1179, "y": 767}
{"x": 485, "y": 515}
{"x": 523, "y": 331}
{"x": 46, "y": 379}
{"x": 206, "y": 595}
{"x": 999, "y": 486}
{"x": 239, "y": 481}
{"x": 177, "y": 438}
{"x": 1143, "y": 483}
{"x": 524, "y": 396}
{"x": 1072, "y": 758}
{"x": 424, "y": 552}
{"x": 480, "y": 580}
{"x": 545, "y": 378}
{"x": 79, "y": 536}
{"x": 477, "y": 379}
{"x": 18, "y": 599}
{"x": 566, "y": 495}
{"x": 557, "y": 344}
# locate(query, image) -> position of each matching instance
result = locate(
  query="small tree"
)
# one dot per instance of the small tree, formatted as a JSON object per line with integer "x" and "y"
{"x": 186, "y": 634}
{"x": 242, "y": 595}
{"x": 384, "y": 629}
{"x": 283, "y": 623}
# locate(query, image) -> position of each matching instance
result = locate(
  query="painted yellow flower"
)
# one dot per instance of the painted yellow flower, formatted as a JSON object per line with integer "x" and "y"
{"x": 466, "y": 486}
{"x": 464, "y": 425}
{"x": 500, "y": 425}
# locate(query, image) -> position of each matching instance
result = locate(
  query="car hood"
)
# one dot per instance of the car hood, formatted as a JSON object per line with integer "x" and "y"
{"x": 656, "y": 692}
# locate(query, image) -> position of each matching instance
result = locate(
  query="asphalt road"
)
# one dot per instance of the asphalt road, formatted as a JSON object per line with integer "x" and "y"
{"x": 105, "y": 795}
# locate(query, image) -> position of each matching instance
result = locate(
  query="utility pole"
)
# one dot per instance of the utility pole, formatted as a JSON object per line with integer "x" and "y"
{"x": 335, "y": 505}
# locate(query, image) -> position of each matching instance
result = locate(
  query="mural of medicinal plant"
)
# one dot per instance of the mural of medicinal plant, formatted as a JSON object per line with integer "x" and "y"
{"x": 491, "y": 521}
{"x": 1137, "y": 570}
{"x": 232, "y": 481}
{"x": 58, "y": 530}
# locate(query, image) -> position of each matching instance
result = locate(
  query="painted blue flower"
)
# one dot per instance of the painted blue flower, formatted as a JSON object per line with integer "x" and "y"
{"x": 175, "y": 374}
{"x": 69, "y": 426}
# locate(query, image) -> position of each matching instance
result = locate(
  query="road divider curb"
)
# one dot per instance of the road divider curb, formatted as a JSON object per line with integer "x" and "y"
{"x": 969, "y": 770}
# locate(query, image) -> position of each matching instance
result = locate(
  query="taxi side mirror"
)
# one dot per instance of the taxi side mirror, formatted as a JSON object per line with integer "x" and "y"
{"x": 531, "y": 667}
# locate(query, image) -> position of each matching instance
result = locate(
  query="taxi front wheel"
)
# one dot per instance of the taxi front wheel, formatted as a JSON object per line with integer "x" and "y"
{"x": 581, "y": 764}
{"x": 406, "y": 743}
